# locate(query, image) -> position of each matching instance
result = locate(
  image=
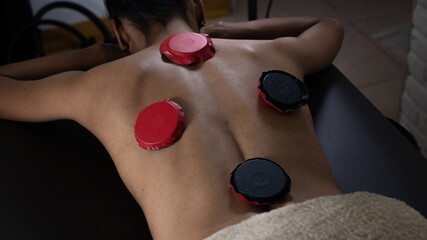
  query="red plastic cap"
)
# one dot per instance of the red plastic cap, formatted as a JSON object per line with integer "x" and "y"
{"x": 159, "y": 125}
{"x": 188, "y": 48}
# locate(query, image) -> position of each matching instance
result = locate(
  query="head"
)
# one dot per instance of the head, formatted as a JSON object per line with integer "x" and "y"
{"x": 143, "y": 15}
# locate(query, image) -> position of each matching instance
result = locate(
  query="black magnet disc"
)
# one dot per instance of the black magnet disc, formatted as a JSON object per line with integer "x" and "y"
{"x": 282, "y": 90}
{"x": 260, "y": 181}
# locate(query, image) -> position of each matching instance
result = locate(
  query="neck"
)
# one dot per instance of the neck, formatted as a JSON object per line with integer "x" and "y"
{"x": 176, "y": 25}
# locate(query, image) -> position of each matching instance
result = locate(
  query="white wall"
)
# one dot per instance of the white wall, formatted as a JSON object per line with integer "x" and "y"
{"x": 71, "y": 16}
{"x": 414, "y": 99}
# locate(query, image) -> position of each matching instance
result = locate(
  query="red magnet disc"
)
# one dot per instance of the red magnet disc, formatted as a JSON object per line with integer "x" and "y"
{"x": 159, "y": 125}
{"x": 188, "y": 48}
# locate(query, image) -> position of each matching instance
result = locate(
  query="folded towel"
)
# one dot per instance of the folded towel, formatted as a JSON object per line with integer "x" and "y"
{"x": 358, "y": 215}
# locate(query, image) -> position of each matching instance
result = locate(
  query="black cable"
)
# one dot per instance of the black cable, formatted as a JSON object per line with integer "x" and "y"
{"x": 252, "y": 10}
{"x": 267, "y": 14}
{"x": 37, "y": 22}
{"x": 405, "y": 133}
{"x": 107, "y": 37}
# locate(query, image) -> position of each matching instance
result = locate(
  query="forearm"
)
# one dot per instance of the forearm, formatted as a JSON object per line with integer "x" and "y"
{"x": 82, "y": 60}
{"x": 263, "y": 29}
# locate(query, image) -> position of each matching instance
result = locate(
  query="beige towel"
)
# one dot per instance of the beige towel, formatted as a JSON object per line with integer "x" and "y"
{"x": 351, "y": 216}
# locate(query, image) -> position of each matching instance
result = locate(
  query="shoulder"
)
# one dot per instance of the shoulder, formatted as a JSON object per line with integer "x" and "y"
{"x": 268, "y": 53}
{"x": 256, "y": 48}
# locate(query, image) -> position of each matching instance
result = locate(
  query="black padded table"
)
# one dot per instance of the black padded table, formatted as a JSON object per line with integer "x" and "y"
{"x": 58, "y": 182}
{"x": 366, "y": 152}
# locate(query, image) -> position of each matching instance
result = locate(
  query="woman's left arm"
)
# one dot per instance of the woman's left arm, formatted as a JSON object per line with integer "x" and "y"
{"x": 74, "y": 60}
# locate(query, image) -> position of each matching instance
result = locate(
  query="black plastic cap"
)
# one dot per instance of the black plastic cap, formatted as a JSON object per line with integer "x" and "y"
{"x": 260, "y": 181}
{"x": 282, "y": 90}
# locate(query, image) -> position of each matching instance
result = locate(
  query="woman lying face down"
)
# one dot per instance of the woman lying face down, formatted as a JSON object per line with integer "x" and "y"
{"x": 181, "y": 133}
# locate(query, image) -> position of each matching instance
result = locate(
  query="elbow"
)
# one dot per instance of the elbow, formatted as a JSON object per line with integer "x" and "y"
{"x": 334, "y": 22}
{"x": 337, "y": 28}
{"x": 335, "y": 32}
{"x": 7, "y": 72}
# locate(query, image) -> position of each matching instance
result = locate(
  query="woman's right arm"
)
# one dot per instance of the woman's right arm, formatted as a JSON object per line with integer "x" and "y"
{"x": 51, "y": 87}
{"x": 73, "y": 60}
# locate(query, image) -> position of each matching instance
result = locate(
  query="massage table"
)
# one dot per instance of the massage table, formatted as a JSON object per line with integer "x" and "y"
{"x": 58, "y": 182}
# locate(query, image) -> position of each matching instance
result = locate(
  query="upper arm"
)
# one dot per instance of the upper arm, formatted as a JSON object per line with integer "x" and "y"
{"x": 316, "y": 47}
{"x": 51, "y": 98}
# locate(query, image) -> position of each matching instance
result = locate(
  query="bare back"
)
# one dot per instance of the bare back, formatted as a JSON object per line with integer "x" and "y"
{"x": 184, "y": 189}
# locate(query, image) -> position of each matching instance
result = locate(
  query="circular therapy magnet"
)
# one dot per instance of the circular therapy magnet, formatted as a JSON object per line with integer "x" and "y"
{"x": 260, "y": 181}
{"x": 282, "y": 91}
{"x": 159, "y": 125}
{"x": 188, "y": 48}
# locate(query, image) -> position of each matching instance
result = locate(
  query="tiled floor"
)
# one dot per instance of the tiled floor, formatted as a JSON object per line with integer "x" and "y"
{"x": 375, "y": 44}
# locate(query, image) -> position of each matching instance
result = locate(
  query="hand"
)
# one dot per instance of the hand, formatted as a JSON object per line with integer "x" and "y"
{"x": 216, "y": 30}
{"x": 230, "y": 30}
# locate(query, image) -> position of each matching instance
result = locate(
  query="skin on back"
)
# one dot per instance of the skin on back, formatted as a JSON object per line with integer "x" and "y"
{"x": 184, "y": 189}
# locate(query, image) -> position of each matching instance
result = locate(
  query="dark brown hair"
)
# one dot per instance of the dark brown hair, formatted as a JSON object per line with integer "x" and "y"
{"x": 142, "y": 13}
